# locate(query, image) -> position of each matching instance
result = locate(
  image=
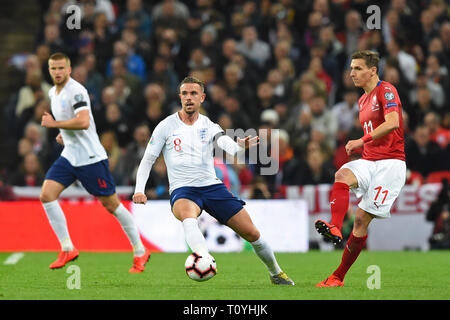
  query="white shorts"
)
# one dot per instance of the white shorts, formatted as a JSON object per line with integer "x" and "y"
{"x": 379, "y": 184}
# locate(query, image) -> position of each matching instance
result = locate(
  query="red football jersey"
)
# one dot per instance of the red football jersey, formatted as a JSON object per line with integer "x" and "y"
{"x": 372, "y": 109}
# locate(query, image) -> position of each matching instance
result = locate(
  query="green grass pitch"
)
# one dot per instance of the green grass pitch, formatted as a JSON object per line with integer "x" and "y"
{"x": 241, "y": 276}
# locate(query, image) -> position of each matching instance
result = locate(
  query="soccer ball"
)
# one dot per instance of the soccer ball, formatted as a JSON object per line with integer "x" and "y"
{"x": 200, "y": 268}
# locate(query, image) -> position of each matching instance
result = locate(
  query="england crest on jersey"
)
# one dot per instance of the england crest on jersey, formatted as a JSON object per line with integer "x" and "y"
{"x": 203, "y": 132}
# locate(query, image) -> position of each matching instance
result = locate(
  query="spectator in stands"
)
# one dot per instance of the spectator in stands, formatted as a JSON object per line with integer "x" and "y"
{"x": 114, "y": 122}
{"x": 253, "y": 48}
{"x": 164, "y": 75}
{"x": 35, "y": 88}
{"x": 133, "y": 154}
{"x": 352, "y": 32}
{"x": 439, "y": 213}
{"x": 157, "y": 187}
{"x": 109, "y": 141}
{"x": 239, "y": 116}
{"x": 437, "y": 71}
{"x": 156, "y": 105}
{"x": 317, "y": 170}
{"x": 233, "y": 83}
{"x": 134, "y": 63}
{"x": 422, "y": 154}
{"x": 345, "y": 112}
{"x": 33, "y": 115}
{"x": 6, "y": 190}
{"x": 119, "y": 69}
{"x": 102, "y": 42}
{"x": 418, "y": 110}
{"x": 436, "y": 91}
{"x": 95, "y": 80}
{"x": 136, "y": 17}
{"x": 438, "y": 134}
{"x": 168, "y": 16}
{"x": 259, "y": 189}
{"x": 323, "y": 119}
{"x": 52, "y": 38}
{"x": 30, "y": 172}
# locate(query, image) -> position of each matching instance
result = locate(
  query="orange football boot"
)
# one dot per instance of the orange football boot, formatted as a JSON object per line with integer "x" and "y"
{"x": 64, "y": 257}
{"x": 328, "y": 231}
{"x": 139, "y": 262}
{"x": 331, "y": 281}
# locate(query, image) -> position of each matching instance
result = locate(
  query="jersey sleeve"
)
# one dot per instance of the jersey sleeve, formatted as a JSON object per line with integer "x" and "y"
{"x": 389, "y": 99}
{"x": 157, "y": 140}
{"x": 152, "y": 152}
{"x": 79, "y": 100}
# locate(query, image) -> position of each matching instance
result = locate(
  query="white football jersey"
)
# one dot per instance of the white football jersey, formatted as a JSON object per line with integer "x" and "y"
{"x": 187, "y": 151}
{"x": 81, "y": 147}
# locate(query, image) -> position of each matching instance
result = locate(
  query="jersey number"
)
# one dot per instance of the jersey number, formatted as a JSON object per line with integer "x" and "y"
{"x": 368, "y": 126}
{"x": 177, "y": 144}
{"x": 385, "y": 192}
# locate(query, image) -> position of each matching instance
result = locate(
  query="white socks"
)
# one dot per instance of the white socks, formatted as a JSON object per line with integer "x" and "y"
{"x": 58, "y": 222}
{"x": 126, "y": 221}
{"x": 265, "y": 253}
{"x": 194, "y": 237}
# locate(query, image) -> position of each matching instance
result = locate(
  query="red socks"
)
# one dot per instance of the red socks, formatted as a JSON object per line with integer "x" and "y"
{"x": 339, "y": 203}
{"x": 351, "y": 253}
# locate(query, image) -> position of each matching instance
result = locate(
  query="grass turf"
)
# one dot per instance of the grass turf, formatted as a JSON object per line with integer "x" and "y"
{"x": 241, "y": 276}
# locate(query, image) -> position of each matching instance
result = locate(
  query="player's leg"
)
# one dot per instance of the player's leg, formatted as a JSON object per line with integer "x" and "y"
{"x": 115, "y": 207}
{"x": 243, "y": 225}
{"x": 49, "y": 198}
{"x": 355, "y": 243}
{"x": 187, "y": 211}
{"x": 339, "y": 202}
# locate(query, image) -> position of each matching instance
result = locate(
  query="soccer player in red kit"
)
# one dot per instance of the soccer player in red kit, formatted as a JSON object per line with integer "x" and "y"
{"x": 381, "y": 172}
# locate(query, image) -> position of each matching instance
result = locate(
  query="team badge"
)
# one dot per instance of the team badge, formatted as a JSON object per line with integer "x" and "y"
{"x": 389, "y": 96}
{"x": 78, "y": 97}
{"x": 203, "y": 133}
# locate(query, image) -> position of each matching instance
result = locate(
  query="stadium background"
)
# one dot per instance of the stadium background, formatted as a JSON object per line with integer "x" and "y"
{"x": 131, "y": 56}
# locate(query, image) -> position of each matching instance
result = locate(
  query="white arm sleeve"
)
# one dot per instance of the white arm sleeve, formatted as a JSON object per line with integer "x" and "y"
{"x": 152, "y": 152}
{"x": 143, "y": 172}
{"x": 229, "y": 145}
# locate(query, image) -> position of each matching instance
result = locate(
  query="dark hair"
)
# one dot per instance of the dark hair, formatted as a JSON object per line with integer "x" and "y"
{"x": 192, "y": 80}
{"x": 60, "y": 56}
{"x": 370, "y": 57}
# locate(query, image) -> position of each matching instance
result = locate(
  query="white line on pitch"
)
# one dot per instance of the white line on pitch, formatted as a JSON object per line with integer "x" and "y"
{"x": 14, "y": 258}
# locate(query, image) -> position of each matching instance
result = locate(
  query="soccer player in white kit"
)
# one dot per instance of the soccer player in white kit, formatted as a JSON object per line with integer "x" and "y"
{"x": 186, "y": 139}
{"x": 82, "y": 158}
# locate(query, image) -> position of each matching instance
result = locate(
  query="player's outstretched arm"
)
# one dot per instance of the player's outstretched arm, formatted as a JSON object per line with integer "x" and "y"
{"x": 231, "y": 147}
{"x": 142, "y": 175}
{"x": 81, "y": 121}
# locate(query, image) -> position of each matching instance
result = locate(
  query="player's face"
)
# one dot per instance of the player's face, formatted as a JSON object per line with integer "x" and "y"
{"x": 59, "y": 71}
{"x": 360, "y": 73}
{"x": 191, "y": 96}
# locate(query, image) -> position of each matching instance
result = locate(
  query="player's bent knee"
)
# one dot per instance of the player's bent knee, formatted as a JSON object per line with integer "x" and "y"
{"x": 46, "y": 196}
{"x": 110, "y": 203}
{"x": 251, "y": 235}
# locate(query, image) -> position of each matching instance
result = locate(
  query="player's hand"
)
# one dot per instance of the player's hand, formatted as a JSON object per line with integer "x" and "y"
{"x": 352, "y": 145}
{"x": 140, "y": 198}
{"x": 59, "y": 139}
{"x": 47, "y": 120}
{"x": 248, "y": 142}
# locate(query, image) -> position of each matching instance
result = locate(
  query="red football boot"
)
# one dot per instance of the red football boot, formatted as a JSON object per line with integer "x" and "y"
{"x": 139, "y": 262}
{"x": 331, "y": 281}
{"x": 64, "y": 257}
{"x": 328, "y": 231}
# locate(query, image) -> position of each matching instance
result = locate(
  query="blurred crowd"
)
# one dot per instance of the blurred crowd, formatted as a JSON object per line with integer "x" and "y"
{"x": 268, "y": 64}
